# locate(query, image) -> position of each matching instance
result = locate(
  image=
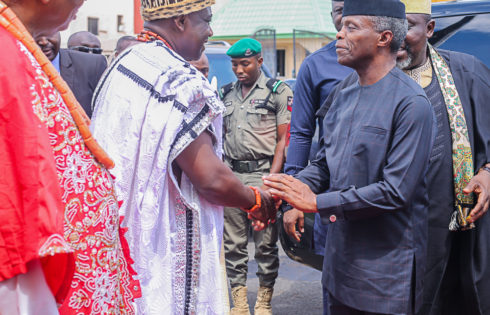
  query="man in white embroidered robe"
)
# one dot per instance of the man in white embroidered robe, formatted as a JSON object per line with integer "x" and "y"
{"x": 160, "y": 120}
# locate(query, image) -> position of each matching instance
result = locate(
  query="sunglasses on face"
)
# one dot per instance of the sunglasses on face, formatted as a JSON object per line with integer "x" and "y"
{"x": 86, "y": 49}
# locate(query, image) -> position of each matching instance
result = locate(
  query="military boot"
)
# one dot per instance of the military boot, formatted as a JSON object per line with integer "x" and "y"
{"x": 240, "y": 303}
{"x": 263, "y": 304}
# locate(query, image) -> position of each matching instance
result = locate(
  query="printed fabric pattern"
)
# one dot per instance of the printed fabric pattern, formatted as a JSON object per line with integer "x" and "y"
{"x": 463, "y": 169}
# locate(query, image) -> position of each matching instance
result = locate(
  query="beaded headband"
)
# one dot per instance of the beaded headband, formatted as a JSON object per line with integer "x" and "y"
{"x": 164, "y": 9}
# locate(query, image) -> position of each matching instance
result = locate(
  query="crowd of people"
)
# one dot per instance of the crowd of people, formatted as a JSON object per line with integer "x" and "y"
{"x": 131, "y": 187}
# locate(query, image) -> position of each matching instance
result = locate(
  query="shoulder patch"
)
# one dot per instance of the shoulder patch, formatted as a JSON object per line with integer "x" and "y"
{"x": 290, "y": 103}
{"x": 224, "y": 90}
{"x": 273, "y": 85}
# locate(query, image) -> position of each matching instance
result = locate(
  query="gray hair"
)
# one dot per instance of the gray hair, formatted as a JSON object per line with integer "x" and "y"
{"x": 399, "y": 28}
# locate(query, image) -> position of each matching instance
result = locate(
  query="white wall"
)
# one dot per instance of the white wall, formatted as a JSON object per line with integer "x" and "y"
{"x": 107, "y": 12}
{"x": 218, "y": 5}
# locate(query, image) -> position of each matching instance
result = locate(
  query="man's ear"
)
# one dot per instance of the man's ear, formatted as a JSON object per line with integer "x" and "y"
{"x": 429, "y": 29}
{"x": 260, "y": 60}
{"x": 180, "y": 22}
{"x": 385, "y": 39}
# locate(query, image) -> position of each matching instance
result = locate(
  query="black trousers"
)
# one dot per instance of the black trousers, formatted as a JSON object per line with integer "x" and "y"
{"x": 332, "y": 306}
{"x": 456, "y": 294}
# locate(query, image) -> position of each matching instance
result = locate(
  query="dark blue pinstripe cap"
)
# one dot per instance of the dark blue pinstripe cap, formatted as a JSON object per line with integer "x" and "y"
{"x": 390, "y": 8}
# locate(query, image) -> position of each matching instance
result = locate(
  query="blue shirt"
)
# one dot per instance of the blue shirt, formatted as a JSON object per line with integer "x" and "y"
{"x": 56, "y": 62}
{"x": 374, "y": 159}
{"x": 318, "y": 76}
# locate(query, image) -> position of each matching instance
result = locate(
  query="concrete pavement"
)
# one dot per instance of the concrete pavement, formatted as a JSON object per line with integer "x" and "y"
{"x": 298, "y": 288}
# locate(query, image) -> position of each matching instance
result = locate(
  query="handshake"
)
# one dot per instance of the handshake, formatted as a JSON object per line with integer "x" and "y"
{"x": 264, "y": 212}
{"x": 278, "y": 187}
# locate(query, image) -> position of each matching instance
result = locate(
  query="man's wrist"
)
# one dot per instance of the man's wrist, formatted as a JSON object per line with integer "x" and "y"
{"x": 329, "y": 207}
{"x": 285, "y": 207}
{"x": 486, "y": 168}
{"x": 257, "y": 201}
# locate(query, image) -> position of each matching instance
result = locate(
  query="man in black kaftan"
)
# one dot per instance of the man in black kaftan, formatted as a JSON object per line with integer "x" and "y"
{"x": 457, "y": 279}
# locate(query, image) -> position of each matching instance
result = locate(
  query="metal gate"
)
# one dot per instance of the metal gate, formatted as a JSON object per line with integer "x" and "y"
{"x": 304, "y": 43}
{"x": 267, "y": 37}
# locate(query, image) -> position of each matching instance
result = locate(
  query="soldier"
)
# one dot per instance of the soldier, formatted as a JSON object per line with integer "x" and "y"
{"x": 255, "y": 128}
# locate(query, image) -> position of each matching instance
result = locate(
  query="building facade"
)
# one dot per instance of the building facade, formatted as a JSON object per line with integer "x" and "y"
{"x": 108, "y": 19}
{"x": 289, "y": 30}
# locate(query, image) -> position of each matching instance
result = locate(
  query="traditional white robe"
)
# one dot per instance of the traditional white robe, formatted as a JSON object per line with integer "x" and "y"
{"x": 149, "y": 106}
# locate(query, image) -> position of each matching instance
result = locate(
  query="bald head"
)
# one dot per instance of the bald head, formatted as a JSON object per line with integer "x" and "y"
{"x": 83, "y": 38}
{"x": 45, "y": 18}
{"x": 124, "y": 43}
{"x": 202, "y": 64}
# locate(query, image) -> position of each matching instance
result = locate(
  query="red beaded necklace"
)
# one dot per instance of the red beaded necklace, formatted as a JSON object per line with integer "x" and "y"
{"x": 149, "y": 36}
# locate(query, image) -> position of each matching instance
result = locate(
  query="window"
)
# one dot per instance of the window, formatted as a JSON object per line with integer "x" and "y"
{"x": 120, "y": 23}
{"x": 220, "y": 67}
{"x": 467, "y": 33}
{"x": 93, "y": 25}
{"x": 281, "y": 62}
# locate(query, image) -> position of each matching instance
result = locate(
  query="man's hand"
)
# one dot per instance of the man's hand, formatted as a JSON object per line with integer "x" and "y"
{"x": 293, "y": 191}
{"x": 258, "y": 225}
{"x": 290, "y": 219}
{"x": 480, "y": 185}
{"x": 266, "y": 214}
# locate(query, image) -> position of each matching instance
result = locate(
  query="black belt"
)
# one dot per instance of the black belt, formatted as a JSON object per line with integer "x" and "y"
{"x": 241, "y": 166}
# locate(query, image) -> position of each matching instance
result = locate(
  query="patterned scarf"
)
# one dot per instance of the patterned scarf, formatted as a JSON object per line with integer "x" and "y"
{"x": 463, "y": 169}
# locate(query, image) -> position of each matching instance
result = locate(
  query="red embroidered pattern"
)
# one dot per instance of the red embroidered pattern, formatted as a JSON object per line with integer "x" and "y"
{"x": 102, "y": 282}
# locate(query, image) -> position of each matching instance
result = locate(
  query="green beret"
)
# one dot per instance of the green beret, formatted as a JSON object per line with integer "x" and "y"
{"x": 244, "y": 48}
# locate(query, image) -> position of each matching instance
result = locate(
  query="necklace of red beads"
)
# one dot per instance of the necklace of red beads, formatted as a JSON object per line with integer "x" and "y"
{"x": 149, "y": 36}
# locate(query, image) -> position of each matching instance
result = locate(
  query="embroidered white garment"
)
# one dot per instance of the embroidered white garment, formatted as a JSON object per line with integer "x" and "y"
{"x": 149, "y": 106}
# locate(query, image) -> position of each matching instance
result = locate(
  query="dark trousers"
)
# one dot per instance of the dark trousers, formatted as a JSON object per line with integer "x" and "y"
{"x": 332, "y": 306}
{"x": 325, "y": 300}
{"x": 455, "y": 294}
{"x": 235, "y": 236}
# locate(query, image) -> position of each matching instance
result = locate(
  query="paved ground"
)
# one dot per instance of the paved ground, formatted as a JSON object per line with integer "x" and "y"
{"x": 298, "y": 289}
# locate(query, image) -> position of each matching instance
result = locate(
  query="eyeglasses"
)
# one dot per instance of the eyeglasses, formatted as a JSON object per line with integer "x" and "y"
{"x": 86, "y": 49}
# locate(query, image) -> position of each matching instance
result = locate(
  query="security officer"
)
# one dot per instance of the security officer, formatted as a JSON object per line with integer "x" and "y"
{"x": 255, "y": 123}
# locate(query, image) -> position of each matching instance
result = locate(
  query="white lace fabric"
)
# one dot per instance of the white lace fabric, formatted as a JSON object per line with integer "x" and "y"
{"x": 149, "y": 106}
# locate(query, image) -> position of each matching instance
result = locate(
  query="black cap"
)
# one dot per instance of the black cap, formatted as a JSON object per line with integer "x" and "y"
{"x": 390, "y": 8}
